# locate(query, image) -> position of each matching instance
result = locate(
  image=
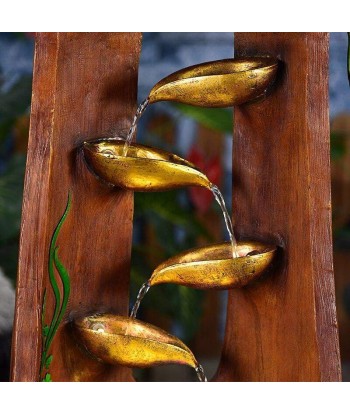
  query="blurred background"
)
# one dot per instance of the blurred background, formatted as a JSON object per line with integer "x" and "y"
{"x": 170, "y": 222}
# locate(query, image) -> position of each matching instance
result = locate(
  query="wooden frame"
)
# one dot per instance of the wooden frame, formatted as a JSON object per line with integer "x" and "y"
{"x": 284, "y": 328}
{"x": 85, "y": 86}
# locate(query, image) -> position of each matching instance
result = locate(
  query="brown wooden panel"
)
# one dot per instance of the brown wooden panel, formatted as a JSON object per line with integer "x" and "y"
{"x": 284, "y": 327}
{"x": 85, "y": 86}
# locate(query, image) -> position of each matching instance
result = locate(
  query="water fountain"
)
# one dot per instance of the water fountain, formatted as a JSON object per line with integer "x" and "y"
{"x": 126, "y": 340}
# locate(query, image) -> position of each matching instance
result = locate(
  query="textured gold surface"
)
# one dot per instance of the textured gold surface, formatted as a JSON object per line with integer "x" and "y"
{"x": 126, "y": 341}
{"x": 222, "y": 83}
{"x": 214, "y": 267}
{"x": 143, "y": 169}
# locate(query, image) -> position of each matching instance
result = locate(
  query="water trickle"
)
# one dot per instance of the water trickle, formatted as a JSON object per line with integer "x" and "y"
{"x": 220, "y": 199}
{"x": 143, "y": 291}
{"x": 200, "y": 373}
{"x": 140, "y": 110}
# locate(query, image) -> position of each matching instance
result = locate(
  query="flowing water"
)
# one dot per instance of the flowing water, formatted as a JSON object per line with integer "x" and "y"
{"x": 140, "y": 110}
{"x": 143, "y": 291}
{"x": 200, "y": 373}
{"x": 220, "y": 199}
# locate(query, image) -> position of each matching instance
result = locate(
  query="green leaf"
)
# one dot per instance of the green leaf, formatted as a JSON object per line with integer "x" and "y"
{"x": 52, "y": 277}
{"x": 338, "y": 147}
{"x": 59, "y": 306}
{"x": 11, "y": 190}
{"x": 16, "y": 101}
{"x": 65, "y": 279}
{"x": 48, "y": 361}
{"x": 6, "y": 127}
{"x": 189, "y": 310}
{"x": 218, "y": 119}
{"x": 47, "y": 378}
{"x": 46, "y": 330}
{"x": 166, "y": 206}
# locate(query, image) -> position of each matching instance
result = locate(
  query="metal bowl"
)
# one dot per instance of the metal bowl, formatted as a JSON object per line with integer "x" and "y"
{"x": 214, "y": 266}
{"x": 222, "y": 83}
{"x": 126, "y": 341}
{"x": 144, "y": 169}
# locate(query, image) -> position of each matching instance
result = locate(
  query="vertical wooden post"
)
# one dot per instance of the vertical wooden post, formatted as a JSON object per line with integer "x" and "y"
{"x": 85, "y": 87}
{"x": 284, "y": 327}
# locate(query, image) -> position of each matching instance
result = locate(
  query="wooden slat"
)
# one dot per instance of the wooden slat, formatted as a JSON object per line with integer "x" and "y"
{"x": 85, "y": 86}
{"x": 284, "y": 327}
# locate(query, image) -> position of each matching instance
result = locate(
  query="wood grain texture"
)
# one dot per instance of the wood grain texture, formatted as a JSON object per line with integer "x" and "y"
{"x": 284, "y": 327}
{"x": 84, "y": 87}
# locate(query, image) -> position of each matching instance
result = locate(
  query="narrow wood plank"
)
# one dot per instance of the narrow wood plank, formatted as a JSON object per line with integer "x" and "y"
{"x": 284, "y": 327}
{"x": 85, "y": 86}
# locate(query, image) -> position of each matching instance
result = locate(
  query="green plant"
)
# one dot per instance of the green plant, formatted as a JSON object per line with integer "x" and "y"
{"x": 49, "y": 331}
{"x": 218, "y": 119}
{"x": 338, "y": 146}
{"x": 14, "y": 103}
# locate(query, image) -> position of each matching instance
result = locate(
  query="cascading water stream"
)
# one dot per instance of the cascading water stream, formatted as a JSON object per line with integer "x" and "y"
{"x": 200, "y": 373}
{"x": 221, "y": 202}
{"x": 140, "y": 110}
{"x": 143, "y": 291}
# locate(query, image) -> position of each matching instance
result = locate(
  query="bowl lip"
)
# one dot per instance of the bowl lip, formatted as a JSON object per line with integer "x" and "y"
{"x": 148, "y": 337}
{"x": 266, "y": 62}
{"x": 270, "y": 249}
{"x": 144, "y": 324}
{"x": 182, "y": 162}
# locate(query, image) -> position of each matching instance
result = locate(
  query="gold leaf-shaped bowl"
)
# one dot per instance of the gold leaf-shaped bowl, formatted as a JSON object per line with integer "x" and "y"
{"x": 143, "y": 169}
{"x": 221, "y": 83}
{"x": 126, "y": 341}
{"x": 214, "y": 266}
